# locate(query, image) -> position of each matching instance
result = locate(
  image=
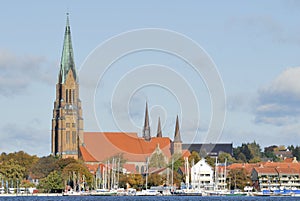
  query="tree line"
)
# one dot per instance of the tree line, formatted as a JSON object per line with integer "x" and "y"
{"x": 20, "y": 169}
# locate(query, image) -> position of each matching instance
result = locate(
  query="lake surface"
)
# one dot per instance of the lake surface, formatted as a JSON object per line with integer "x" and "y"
{"x": 146, "y": 198}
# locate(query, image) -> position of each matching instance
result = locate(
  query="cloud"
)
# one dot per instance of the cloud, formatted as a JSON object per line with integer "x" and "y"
{"x": 266, "y": 26}
{"x": 15, "y": 137}
{"x": 240, "y": 102}
{"x": 18, "y": 72}
{"x": 278, "y": 103}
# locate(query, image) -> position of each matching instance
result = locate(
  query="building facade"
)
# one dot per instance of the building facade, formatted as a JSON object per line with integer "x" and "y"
{"x": 202, "y": 175}
{"x": 67, "y": 121}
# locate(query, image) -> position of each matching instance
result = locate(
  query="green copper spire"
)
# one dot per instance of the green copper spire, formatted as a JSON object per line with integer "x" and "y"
{"x": 67, "y": 58}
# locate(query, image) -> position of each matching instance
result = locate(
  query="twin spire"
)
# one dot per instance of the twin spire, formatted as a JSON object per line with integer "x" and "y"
{"x": 67, "y": 59}
{"x": 146, "y": 129}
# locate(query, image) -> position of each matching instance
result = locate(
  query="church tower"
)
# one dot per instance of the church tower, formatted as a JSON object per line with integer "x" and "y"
{"x": 177, "y": 143}
{"x": 146, "y": 129}
{"x": 159, "y": 132}
{"x": 67, "y": 121}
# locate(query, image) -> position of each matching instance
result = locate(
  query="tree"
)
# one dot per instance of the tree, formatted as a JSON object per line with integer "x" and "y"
{"x": 210, "y": 161}
{"x": 242, "y": 158}
{"x": 296, "y": 152}
{"x": 43, "y": 167}
{"x": 177, "y": 161}
{"x": 194, "y": 158}
{"x": 21, "y": 158}
{"x": 53, "y": 182}
{"x": 255, "y": 150}
{"x": 238, "y": 178}
{"x": 243, "y": 152}
{"x": 246, "y": 151}
{"x": 155, "y": 180}
{"x": 63, "y": 162}
{"x": 226, "y": 156}
{"x": 272, "y": 156}
{"x": 157, "y": 160}
{"x": 12, "y": 172}
{"x": 77, "y": 173}
{"x": 255, "y": 160}
{"x": 135, "y": 181}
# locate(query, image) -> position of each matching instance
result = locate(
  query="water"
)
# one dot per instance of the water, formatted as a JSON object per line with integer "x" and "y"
{"x": 146, "y": 198}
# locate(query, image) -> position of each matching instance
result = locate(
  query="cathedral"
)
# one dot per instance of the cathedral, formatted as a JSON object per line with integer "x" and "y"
{"x": 70, "y": 140}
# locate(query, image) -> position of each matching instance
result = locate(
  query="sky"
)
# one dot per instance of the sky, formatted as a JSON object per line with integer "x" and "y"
{"x": 251, "y": 49}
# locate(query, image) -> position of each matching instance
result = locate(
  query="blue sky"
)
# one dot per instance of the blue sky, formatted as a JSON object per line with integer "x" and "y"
{"x": 255, "y": 46}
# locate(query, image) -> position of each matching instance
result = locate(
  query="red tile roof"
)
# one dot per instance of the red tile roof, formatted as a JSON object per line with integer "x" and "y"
{"x": 186, "y": 153}
{"x": 86, "y": 156}
{"x": 266, "y": 170}
{"x": 103, "y": 145}
{"x": 130, "y": 168}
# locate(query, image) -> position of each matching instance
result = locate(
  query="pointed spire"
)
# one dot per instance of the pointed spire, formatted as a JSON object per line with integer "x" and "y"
{"x": 177, "y": 137}
{"x": 67, "y": 58}
{"x": 146, "y": 130}
{"x": 159, "y": 132}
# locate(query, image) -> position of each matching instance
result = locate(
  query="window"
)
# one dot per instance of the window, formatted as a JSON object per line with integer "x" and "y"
{"x": 142, "y": 169}
{"x": 73, "y": 125}
{"x": 68, "y": 137}
{"x": 67, "y": 97}
{"x": 73, "y": 137}
{"x": 68, "y": 125}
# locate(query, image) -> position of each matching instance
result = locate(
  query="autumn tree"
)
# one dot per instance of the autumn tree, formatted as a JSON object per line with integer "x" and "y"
{"x": 136, "y": 181}
{"x": 155, "y": 180}
{"x": 238, "y": 178}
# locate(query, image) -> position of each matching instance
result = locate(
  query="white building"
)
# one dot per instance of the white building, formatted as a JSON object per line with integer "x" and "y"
{"x": 202, "y": 175}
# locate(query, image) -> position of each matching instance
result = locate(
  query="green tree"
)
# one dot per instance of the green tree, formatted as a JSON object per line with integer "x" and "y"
{"x": 242, "y": 158}
{"x": 296, "y": 152}
{"x": 77, "y": 172}
{"x": 246, "y": 151}
{"x": 255, "y": 150}
{"x": 255, "y": 160}
{"x": 271, "y": 155}
{"x": 226, "y": 156}
{"x": 43, "y": 167}
{"x": 60, "y": 164}
{"x": 210, "y": 161}
{"x": 52, "y": 182}
{"x": 157, "y": 160}
{"x": 12, "y": 172}
{"x": 194, "y": 158}
{"x": 177, "y": 160}
{"x": 23, "y": 159}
